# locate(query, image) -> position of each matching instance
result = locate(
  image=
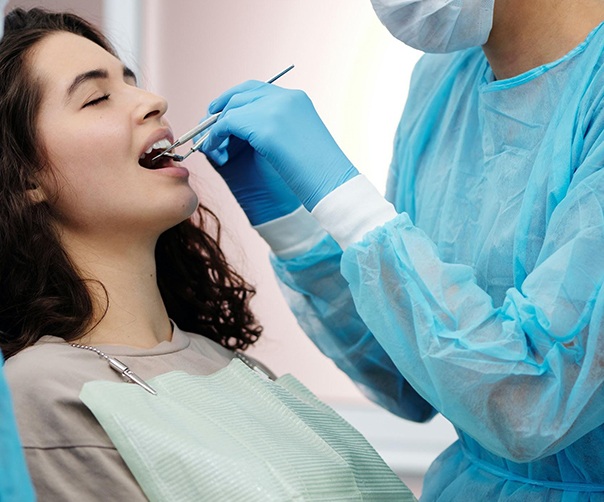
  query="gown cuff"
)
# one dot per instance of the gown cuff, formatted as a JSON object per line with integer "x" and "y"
{"x": 293, "y": 234}
{"x": 352, "y": 210}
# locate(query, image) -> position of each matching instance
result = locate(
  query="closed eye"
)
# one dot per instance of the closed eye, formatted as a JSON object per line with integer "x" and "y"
{"x": 96, "y": 101}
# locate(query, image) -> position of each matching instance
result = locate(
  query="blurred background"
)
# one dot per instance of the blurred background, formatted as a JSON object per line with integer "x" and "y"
{"x": 357, "y": 75}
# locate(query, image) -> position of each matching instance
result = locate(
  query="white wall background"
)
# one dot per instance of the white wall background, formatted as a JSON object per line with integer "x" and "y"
{"x": 357, "y": 75}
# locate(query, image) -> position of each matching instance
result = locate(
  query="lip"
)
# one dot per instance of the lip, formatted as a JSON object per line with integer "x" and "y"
{"x": 163, "y": 133}
{"x": 176, "y": 171}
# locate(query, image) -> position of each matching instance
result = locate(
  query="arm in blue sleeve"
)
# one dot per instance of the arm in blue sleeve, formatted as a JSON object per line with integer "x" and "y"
{"x": 15, "y": 484}
{"x": 524, "y": 379}
{"x": 321, "y": 300}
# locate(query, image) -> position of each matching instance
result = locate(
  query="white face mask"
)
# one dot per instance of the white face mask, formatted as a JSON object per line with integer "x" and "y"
{"x": 437, "y": 25}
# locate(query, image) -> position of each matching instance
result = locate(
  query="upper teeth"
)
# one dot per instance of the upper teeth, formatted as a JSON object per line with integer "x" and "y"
{"x": 162, "y": 144}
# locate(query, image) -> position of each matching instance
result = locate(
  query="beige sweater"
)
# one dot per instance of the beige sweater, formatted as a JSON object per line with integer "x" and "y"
{"x": 69, "y": 456}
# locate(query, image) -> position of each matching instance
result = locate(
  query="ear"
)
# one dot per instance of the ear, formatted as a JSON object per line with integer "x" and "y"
{"x": 36, "y": 194}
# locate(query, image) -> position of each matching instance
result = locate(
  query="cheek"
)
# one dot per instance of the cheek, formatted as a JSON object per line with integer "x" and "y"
{"x": 88, "y": 153}
{"x": 88, "y": 143}
{"x": 83, "y": 181}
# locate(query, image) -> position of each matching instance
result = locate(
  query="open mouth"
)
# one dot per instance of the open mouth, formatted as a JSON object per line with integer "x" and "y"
{"x": 146, "y": 159}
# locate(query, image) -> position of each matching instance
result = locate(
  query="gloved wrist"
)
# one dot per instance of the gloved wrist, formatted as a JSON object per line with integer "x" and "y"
{"x": 344, "y": 219}
{"x": 264, "y": 207}
{"x": 334, "y": 178}
{"x": 257, "y": 187}
{"x": 292, "y": 235}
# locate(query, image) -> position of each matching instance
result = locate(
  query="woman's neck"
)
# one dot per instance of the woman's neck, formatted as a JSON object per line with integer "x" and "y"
{"x": 528, "y": 34}
{"x": 122, "y": 279}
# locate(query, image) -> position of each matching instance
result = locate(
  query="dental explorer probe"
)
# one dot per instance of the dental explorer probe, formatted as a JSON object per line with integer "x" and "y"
{"x": 201, "y": 127}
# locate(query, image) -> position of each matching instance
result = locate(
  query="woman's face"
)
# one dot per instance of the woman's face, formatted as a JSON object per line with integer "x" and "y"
{"x": 95, "y": 124}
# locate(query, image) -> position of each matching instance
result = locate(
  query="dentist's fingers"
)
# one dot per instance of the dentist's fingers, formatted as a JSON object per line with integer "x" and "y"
{"x": 221, "y": 101}
{"x": 259, "y": 112}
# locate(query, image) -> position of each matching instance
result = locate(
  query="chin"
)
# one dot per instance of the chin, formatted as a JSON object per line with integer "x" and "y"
{"x": 171, "y": 211}
{"x": 187, "y": 207}
{"x": 191, "y": 204}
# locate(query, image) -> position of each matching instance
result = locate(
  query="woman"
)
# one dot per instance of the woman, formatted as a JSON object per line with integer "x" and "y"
{"x": 105, "y": 260}
{"x": 475, "y": 288}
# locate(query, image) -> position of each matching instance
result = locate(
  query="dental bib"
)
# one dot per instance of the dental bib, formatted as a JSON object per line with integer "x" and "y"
{"x": 236, "y": 436}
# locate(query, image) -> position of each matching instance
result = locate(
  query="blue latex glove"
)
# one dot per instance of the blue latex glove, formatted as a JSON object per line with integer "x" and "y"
{"x": 258, "y": 188}
{"x": 282, "y": 126}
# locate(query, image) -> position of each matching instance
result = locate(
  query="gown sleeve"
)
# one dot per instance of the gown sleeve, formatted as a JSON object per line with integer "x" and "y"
{"x": 321, "y": 300}
{"x": 524, "y": 379}
{"x": 15, "y": 483}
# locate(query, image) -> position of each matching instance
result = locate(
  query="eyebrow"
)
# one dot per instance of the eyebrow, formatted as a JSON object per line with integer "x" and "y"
{"x": 94, "y": 75}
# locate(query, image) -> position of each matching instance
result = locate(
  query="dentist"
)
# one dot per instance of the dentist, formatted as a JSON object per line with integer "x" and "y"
{"x": 474, "y": 289}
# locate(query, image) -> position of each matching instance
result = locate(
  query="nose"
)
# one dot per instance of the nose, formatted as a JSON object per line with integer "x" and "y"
{"x": 151, "y": 106}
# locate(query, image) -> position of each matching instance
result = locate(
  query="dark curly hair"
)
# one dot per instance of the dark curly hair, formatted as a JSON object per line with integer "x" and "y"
{"x": 41, "y": 292}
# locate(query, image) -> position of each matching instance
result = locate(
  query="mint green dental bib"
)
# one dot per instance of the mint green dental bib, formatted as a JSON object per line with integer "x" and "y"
{"x": 235, "y": 436}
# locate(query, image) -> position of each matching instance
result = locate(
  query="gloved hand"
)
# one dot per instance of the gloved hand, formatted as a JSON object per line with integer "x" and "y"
{"x": 258, "y": 188}
{"x": 283, "y": 127}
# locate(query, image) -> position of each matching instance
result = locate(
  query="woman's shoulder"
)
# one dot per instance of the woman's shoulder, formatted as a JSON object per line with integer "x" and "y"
{"x": 36, "y": 363}
{"x": 45, "y": 381}
{"x": 48, "y": 368}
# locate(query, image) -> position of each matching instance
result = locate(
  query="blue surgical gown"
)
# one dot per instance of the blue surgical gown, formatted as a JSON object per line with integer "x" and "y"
{"x": 482, "y": 300}
{"x": 15, "y": 485}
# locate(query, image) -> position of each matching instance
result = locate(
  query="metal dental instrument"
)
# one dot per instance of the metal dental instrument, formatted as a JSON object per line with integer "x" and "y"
{"x": 202, "y": 126}
{"x": 206, "y": 123}
{"x": 186, "y": 137}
